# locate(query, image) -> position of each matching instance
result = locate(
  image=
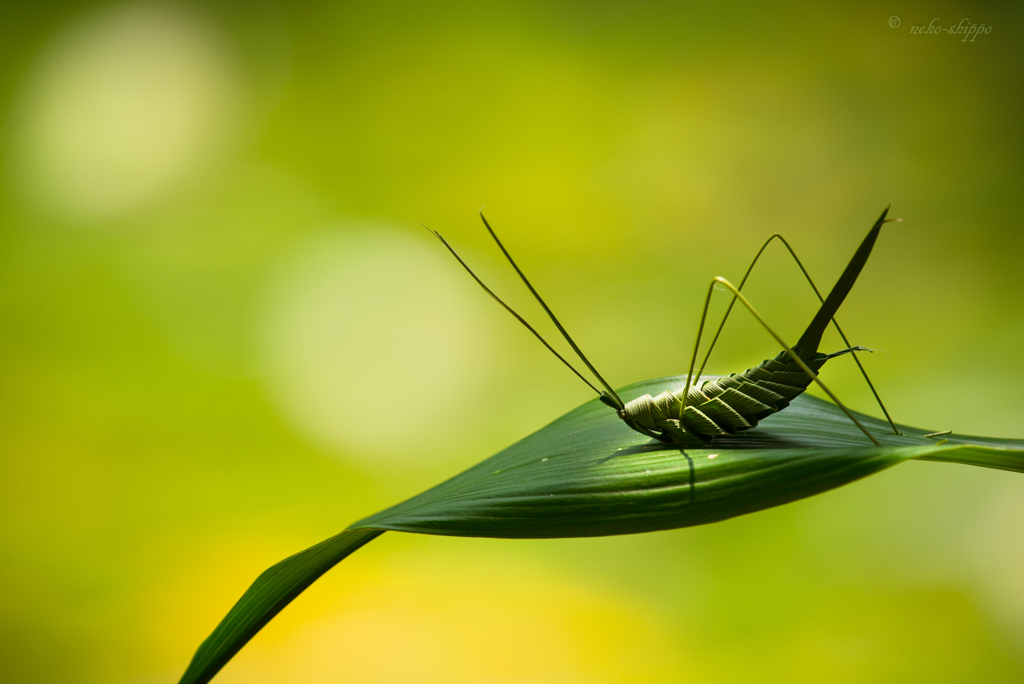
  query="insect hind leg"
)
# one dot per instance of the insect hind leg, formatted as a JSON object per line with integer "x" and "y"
{"x": 807, "y": 276}
{"x": 795, "y": 357}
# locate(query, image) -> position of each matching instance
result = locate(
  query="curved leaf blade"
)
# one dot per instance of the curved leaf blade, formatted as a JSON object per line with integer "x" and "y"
{"x": 587, "y": 474}
{"x": 274, "y": 589}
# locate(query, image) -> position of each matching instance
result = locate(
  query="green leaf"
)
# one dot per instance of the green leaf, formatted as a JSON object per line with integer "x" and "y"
{"x": 587, "y": 474}
{"x": 273, "y": 590}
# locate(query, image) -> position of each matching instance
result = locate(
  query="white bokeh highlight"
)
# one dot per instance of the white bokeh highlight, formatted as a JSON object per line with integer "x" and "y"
{"x": 373, "y": 344}
{"x": 123, "y": 108}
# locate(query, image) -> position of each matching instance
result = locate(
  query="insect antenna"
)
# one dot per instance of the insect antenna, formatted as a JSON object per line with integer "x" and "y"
{"x": 511, "y": 310}
{"x": 609, "y": 397}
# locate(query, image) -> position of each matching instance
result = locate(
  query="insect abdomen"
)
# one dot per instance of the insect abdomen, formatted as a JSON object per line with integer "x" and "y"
{"x": 757, "y": 392}
{"x": 724, "y": 406}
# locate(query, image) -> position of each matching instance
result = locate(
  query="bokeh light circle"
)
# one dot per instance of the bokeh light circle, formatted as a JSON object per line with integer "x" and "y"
{"x": 122, "y": 108}
{"x": 372, "y": 342}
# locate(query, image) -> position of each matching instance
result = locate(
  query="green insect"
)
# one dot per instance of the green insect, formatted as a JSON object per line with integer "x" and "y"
{"x": 693, "y": 415}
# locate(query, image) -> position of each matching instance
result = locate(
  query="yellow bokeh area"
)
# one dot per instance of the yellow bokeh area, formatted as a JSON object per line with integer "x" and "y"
{"x": 225, "y": 334}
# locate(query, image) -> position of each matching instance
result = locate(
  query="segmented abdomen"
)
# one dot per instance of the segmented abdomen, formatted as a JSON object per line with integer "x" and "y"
{"x": 724, "y": 406}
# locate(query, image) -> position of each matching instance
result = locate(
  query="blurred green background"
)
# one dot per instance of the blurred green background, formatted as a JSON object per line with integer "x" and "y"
{"x": 225, "y": 335}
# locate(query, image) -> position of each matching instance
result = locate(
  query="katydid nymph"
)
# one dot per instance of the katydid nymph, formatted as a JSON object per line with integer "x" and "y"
{"x": 565, "y": 481}
{"x": 693, "y": 415}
